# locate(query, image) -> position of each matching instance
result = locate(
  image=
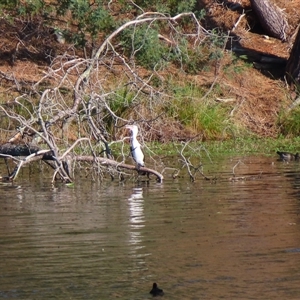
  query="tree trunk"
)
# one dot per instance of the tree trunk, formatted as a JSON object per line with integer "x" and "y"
{"x": 272, "y": 18}
{"x": 293, "y": 65}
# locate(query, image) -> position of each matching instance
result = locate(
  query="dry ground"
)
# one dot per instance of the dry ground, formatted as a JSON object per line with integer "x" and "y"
{"x": 262, "y": 93}
{"x": 256, "y": 96}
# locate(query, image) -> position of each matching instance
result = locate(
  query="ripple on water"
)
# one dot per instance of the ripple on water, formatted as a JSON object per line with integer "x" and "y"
{"x": 231, "y": 239}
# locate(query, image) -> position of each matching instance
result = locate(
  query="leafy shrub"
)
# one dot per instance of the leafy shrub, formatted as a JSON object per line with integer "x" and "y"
{"x": 172, "y": 7}
{"x": 26, "y": 8}
{"x": 190, "y": 59}
{"x": 89, "y": 18}
{"x": 142, "y": 42}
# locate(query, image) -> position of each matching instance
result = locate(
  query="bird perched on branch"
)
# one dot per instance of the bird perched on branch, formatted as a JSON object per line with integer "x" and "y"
{"x": 287, "y": 156}
{"x": 135, "y": 146}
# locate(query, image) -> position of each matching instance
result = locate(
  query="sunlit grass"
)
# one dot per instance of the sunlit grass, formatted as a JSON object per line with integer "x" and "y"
{"x": 199, "y": 113}
{"x": 289, "y": 123}
{"x": 238, "y": 146}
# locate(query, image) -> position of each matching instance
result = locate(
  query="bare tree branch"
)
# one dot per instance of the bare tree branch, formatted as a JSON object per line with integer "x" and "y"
{"x": 76, "y": 93}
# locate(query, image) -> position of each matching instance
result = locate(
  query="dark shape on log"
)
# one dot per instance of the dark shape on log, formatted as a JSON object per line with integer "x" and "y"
{"x": 107, "y": 151}
{"x": 22, "y": 150}
{"x": 287, "y": 156}
{"x": 156, "y": 291}
{"x": 26, "y": 150}
{"x": 18, "y": 150}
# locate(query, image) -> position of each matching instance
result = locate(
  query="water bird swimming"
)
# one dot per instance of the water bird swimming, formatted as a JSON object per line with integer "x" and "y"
{"x": 156, "y": 291}
{"x": 287, "y": 156}
{"x": 135, "y": 146}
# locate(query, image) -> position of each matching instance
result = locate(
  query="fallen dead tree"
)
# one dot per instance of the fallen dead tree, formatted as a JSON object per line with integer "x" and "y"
{"x": 72, "y": 109}
{"x": 24, "y": 154}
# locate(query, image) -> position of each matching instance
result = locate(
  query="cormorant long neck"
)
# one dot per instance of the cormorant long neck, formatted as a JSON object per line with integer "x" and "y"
{"x": 135, "y": 146}
{"x": 133, "y": 137}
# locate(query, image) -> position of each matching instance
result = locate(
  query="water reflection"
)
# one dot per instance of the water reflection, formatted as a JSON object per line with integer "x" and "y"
{"x": 136, "y": 207}
{"x": 203, "y": 240}
{"x": 137, "y": 218}
{"x": 136, "y": 210}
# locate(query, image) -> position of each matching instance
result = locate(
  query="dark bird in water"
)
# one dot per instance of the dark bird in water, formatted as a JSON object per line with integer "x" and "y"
{"x": 287, "y": 156}
{"x": 156, "y": 291}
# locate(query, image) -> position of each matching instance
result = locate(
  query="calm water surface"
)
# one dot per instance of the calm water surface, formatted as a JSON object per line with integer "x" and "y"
{"x": 224, "y": 240}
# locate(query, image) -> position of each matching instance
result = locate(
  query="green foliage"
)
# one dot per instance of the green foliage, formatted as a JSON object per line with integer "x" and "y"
{"x": 171, "y": 7}
{"x": 212, "y": 120}
{"x": 77, "y": 39}
{"x": 26, "y": 8}
{"x": 119, "y": 103}
{"x": 217, "y": 38}
{"x": 25, "y": 108}
{"x": 289, "y": 123}
{"x": 143, "y": 43}
{"x": 90, "y": 18}
{"x": 31, "y": 7}
{"x": 195, "y": 57}
{"x": 190, "y": 59}
{"x": 9, "y": 4}
{"x": 237, "y": 146}
{"x": 156, "y": 81}
{"x": 121, "y": 100}
{"x": 99, "y": 20}
{"x": 237, "y": 65}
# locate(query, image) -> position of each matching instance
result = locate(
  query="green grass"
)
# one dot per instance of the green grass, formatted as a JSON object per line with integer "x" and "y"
{"x": 289, "y": 123}
{"x": 201, "y": 115}
{"x": 232, "y": 147}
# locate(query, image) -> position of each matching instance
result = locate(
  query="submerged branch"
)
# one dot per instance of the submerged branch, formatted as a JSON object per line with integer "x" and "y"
{"x": 110, "y": 162}
{"x": 26, "y": 154}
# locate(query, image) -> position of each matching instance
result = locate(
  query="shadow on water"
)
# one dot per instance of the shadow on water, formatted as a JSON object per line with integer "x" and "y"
{"x": 227, "y": 239}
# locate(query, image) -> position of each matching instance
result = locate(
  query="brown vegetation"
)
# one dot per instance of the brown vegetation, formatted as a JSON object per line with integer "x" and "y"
{"x": 256, "y": 95}
{"x": 76, "y": 100}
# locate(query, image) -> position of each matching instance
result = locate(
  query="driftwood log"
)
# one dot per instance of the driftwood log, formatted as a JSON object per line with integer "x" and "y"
{"x": 25, "y": 154}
